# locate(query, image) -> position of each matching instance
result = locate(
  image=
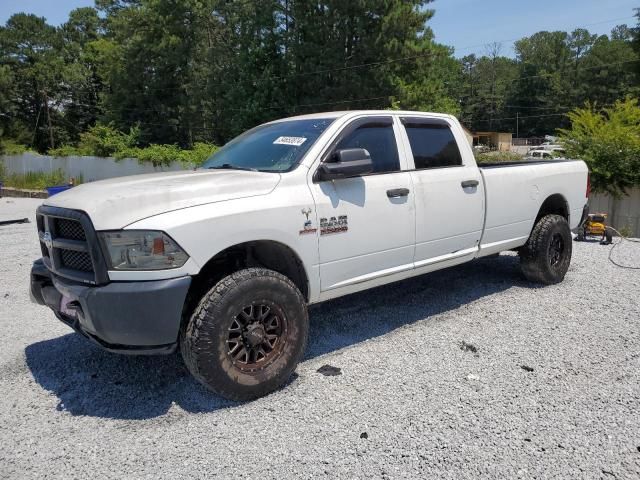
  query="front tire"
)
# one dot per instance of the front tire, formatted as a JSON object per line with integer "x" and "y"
{"x": 546, "y": 256}
{"x": 247, "y": 335}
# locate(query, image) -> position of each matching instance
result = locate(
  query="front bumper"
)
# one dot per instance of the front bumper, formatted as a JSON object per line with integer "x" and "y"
{"x": 122, "y": 317}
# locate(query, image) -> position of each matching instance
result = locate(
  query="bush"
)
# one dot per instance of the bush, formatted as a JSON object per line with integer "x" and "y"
{"x": 491, "y": 157}
{"x": 156, "y": 154}
{"x": 166, "y": 154}
{"x": 106, "y": 141}
{"x": 10, "y": 147}
{"x": 608, "y": 140}
{"x": 99, "y": 141}
{"x": 65, "y": 151}
{"x": 198, "y": 154}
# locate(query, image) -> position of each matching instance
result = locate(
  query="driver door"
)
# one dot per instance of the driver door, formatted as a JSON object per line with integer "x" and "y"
{"x": 367, "y": 223}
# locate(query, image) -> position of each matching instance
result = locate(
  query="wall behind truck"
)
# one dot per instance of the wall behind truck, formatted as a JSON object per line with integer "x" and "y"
{"x": 623, "y": 212}
{"x": 90, "y": 168}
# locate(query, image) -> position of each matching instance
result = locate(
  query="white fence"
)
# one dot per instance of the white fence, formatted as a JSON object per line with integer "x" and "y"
{"x": 90, "y": 168}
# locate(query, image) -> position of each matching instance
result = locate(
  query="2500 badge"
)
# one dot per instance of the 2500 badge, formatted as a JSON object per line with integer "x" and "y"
{"x": 334, "y": 225}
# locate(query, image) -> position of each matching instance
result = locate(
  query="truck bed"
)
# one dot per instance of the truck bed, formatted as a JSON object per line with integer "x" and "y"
{"x": 513, "y": 197}
{"x": 517, "y": 163}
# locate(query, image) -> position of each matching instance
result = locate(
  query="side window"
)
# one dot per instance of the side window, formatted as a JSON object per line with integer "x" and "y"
{"x": 379, "y": 140}
{"x": 433, "y": 145}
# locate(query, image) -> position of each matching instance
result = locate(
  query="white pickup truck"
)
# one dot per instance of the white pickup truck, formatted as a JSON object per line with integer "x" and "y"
{"x": 221, "y": 262}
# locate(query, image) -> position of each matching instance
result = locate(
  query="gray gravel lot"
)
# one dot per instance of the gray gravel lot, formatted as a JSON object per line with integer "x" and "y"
{"x": 551, "y": 390}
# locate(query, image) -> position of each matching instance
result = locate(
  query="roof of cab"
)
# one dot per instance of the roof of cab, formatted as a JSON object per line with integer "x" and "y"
{"x": 342, "y": 113}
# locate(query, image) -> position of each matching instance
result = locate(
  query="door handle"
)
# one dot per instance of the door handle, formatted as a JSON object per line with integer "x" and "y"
{"x": 469, "y": 183}
{"x": 397, "y": 192}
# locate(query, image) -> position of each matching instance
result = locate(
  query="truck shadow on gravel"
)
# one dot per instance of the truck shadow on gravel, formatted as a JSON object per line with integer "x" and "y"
{"x": 88, "y": 381}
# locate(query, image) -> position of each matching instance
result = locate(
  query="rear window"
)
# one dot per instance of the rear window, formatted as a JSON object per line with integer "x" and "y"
{"x": 432, "y": 145}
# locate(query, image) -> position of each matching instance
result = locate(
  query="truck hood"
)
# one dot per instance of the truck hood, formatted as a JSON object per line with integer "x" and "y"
{"x": 117, "y": 202}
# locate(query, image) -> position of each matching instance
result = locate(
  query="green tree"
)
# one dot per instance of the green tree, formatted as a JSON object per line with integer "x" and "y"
{"x": 146, "y": 59}
{"x": 31, "y": 49}
{"x": 635, "y": 41}
{"x": 543, "y": 86}
{"x": 208, "y": 69}
{"x": 607, "y": 72}
{"x": 608, "y": 140}
{"x": 82, "y": 82}
{"x": 7, "y": 109}
{"x": 487, "y": 81}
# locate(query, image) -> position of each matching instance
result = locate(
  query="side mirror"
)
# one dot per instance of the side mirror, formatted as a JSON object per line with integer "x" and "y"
{"x": 350, "y": 162}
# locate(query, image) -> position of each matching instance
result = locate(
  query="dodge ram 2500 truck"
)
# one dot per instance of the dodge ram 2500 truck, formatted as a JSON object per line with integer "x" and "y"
{"x": 221, "y": 262}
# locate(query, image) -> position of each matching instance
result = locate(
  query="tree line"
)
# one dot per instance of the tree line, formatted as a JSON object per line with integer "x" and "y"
{"x": 188, "y": 71}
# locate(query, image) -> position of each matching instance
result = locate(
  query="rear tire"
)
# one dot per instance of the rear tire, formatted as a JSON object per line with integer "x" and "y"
{"x": 247, "y": 335}
{"x": 546, "y": 256}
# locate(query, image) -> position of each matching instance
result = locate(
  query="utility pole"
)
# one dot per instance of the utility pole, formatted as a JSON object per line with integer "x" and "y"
{"x": 517, "y": 124}
{"x": 46, "y": 102}
{"x": 35, "y": 129}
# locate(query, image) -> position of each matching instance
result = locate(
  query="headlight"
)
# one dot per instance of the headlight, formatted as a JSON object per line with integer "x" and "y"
{"x": 142, "y": 250}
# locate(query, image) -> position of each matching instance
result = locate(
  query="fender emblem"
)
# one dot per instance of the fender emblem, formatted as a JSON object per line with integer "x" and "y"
{"x": 308, "y": 227}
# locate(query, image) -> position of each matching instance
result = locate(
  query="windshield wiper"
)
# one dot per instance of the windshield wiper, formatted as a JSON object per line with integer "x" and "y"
{"x": 228, "y": 166}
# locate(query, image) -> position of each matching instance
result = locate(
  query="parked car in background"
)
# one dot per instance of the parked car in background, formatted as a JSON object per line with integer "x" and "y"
{"x": 481, "y": 149}
{"x": 544, "y": 154}
{"x": 548, "y": 147}
{"x": 222, "y": 262}
{"x": 540, "y": 154}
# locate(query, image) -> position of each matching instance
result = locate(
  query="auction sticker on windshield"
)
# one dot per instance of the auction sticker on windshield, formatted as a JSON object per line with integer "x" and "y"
{"x": 295, "y": 141}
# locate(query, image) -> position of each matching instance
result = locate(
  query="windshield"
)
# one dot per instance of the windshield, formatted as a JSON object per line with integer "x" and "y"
{"x": 275, "y": 147}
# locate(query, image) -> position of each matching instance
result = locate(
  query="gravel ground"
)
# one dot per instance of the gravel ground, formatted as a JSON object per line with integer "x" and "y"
{"x": 465, "y": 373}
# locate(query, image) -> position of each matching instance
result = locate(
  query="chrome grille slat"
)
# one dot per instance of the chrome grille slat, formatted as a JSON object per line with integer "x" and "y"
{"x": 75, "y": 245}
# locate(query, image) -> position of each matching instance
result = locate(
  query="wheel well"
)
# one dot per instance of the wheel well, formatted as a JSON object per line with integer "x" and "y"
{"x": 555, "y": 204}
{"x": 260, "y": 253}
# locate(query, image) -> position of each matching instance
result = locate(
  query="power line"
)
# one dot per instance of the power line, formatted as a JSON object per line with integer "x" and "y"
{"x": 303, "y": 74}
{"x": 295, "y": 107}
{"x": 549, "y": 74}
{"x": 545, "y": 29}
{"x": 278, "y": 107}
{"x": 520, "y": 117}
{"x": 273, "y": 107}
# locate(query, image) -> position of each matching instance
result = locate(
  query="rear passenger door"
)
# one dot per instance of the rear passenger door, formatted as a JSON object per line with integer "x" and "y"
{"x": 449, "y": 194}
{"x": 366, "y": 223}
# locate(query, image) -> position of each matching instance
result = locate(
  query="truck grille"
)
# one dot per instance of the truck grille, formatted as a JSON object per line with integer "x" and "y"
{"x": 69, "y": 245}
{"x": 76, "y": 260}
{"x": 69, "y": 229}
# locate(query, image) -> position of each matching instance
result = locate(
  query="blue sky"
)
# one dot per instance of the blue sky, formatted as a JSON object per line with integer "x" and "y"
{"x": 55, "y": 11}
{"x": 474, "y": 23}
{"x": 467, "y": 25}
